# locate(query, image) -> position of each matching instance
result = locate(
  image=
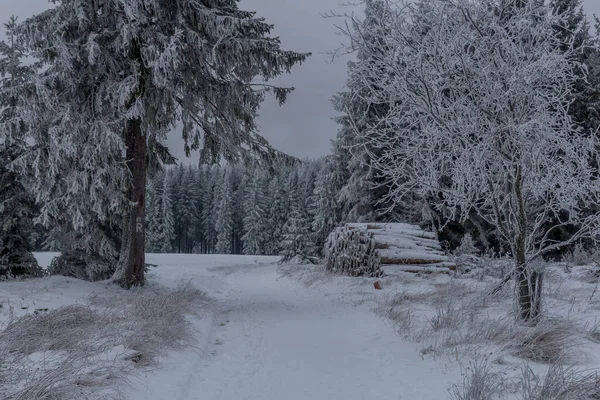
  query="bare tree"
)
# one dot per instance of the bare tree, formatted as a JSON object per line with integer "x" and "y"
{"x": 478, "y": 95}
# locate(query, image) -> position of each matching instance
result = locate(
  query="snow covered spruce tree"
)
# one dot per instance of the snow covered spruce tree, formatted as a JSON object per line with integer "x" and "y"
{"x": 297, "y": 236}
{"x": 326, "y": 207}
{"x": 224, "y": 219}
{"x": 160, "y": 225}
{"x": 255, "y": 210}
{"x": 363, "y": 191}
{"x": 479, "y": 95}
{"x": 17, "y": 206}
{"x": 118, "y": 75}
{"x": 278, "y": 210}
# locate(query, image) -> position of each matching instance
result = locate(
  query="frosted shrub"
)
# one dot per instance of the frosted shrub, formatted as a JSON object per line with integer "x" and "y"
{"x": 82, "y": 266}
{"x": 579, "y": 256}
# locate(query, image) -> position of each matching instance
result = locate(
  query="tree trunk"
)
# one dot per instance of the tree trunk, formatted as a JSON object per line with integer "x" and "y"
{"x": 130, "y": 271}
{"x": 529, "y": 281}
{"x": 529, "y": 287}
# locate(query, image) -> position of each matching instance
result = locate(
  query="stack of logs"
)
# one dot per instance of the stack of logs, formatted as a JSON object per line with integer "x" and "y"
{"x": 370, "y": 249}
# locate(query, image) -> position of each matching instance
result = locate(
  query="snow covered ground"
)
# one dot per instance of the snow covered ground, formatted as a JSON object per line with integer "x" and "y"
{"x": 295, "y": 332}
{"x": 273, "y": 338}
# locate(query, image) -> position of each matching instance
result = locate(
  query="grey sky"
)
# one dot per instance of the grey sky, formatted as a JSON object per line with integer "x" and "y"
{"x": 303, "y": 126}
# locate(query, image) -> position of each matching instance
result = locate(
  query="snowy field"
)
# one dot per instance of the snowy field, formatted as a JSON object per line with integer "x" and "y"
{"x": 253, "y": 329}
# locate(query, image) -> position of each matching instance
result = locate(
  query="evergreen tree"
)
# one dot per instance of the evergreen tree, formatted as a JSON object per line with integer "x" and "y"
{"x": 255, "y": 219}
{"x": 186, "y": 215}
{"x": 16, "y": 222}
{"x": 152, "y": 210}
{"x": 296, "y": 230}
{"x": 198, "y": 232}
{"x": 279, "y": 210}
{"x": 211, "y": 206}
{"x": 362, "y": 189}
{"x": 16, "y": 205}
{"x": 160, "y": 229}
{"x": 224, "y": 222}
{"x": 117, "y": 76}
{"x": 239, "y": 186}
{"x": 177, "y": 190}
{"x": 576, "y": 38}
{"x": 326, "y": 208}
{"x": 166, "y": 231}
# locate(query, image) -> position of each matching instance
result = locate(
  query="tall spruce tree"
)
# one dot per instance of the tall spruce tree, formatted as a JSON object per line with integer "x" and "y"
{"x": 117, "y": 76}
{"x": 255, "y": 210}
{"x": 224, "y": 221}
{"x": 160, "y": 225}
{"x": 279, "y": 210}
{"x": 296, "y": 232}
{"x": 326, "y": 209}
{"x": 363, "y": 189}
{"x": 152, "y": 213}
{"x": 16, "y": 204}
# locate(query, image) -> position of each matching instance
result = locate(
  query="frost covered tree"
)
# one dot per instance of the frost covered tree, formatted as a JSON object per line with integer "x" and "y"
{"x": 210, "y": 198}
{"x": 151, "y": 214}
{"x": 279, "y": 210}
{"x": 17, "y": 210}
{"x": 240, "y": 183}
{"x": 224, "y": 215}
{"x": 479, "y": 94}
{"x": 160, "y": 223}
{"x": 185, "y": 208}
{"x": 363, "y": 190}
{"x": 17, "y": 207}
{"x": 116, "y": 76}
{"x": 326, "y": 209}
{"x": 296, "y": 236}
{"x": 255, "y": 214}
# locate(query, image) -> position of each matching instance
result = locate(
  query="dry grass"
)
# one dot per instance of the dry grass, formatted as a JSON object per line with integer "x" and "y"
{"x": 550, "y": 342}
{"x": 458, "y": 325}
{"x": 307, "y": 274}
{"x": 559, "y": 383}
{"x": 480, "y": 382}
{"x": 67, "y": 328}
{"x": 73, "y": 378}
{"x": 400, "y": 312}
{"x": 79, "y": 351}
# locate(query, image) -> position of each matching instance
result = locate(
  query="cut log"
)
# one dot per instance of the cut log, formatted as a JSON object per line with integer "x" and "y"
{"x": 407, "y": 246}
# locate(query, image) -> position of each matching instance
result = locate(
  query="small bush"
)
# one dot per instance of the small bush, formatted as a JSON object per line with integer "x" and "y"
{"x": 467, "y": 246}
{"x": 18, "y": 263}
{"x": 579, "y": 255}
{"x": 84, "y": 266}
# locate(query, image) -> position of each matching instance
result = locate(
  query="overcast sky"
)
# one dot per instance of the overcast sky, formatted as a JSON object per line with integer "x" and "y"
{"x": 303, "y": 126}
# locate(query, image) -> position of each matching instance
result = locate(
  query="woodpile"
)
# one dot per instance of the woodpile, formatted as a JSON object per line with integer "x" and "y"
{"x": 352, "y": 252}
{"x": 369, "y": 249}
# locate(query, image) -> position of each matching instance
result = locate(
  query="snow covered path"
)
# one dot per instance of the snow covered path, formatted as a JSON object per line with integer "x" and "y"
{"x": 272, "y": 338}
